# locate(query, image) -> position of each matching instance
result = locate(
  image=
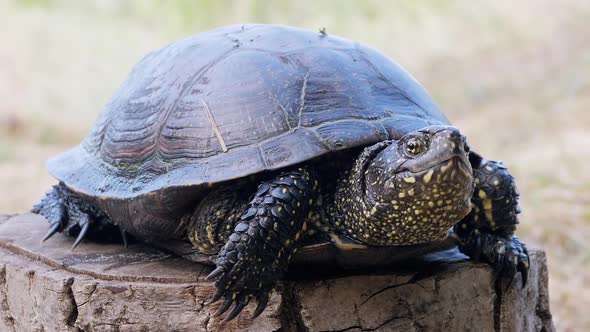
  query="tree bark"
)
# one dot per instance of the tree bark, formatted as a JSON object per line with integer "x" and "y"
{"x": 105, "y": 287}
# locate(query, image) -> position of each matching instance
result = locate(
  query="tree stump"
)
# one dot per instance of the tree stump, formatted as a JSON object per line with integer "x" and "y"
{"x": 106, "y": 287}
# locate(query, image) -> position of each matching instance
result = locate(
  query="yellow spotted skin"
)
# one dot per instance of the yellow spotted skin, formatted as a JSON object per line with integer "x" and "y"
{"x": 214, "y": 219}
{"x": 495, "y": 199}
{"x": 414, "y": 208}
{"x": 262, "y": 243}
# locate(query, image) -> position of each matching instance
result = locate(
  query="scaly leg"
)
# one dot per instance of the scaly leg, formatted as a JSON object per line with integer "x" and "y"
{"x": 67, "y": 212}
{"x": 488, "y": 231}
{"x": 259, "y": 250}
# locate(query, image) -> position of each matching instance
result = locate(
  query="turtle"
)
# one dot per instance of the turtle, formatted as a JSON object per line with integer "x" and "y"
{"x": 262, "y": 146}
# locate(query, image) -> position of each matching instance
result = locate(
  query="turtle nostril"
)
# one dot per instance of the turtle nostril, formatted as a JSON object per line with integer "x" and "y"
{"x": 458, "y": 138}
{"x": 455, "y": 136}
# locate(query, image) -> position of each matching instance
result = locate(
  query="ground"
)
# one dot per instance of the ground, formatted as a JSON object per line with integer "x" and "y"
{"x": 512, "y": 75}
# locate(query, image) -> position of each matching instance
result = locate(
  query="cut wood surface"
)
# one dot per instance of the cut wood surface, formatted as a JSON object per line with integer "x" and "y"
{"x": 106, "y": 287}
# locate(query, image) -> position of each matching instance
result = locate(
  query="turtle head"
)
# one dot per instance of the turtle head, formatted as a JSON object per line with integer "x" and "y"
{"x": 419, "y": 186}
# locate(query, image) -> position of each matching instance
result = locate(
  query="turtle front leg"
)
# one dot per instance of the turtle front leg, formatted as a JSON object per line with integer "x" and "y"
{"x": 259, "y": 250}
{"x": 488, "y": 231}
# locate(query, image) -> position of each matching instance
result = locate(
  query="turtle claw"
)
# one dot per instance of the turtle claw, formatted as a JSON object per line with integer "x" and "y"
{"x": 215, "y": 297}
{"x": 499, "y": 268}
{"x": 519, "y": 259}
{"x": 66, "y": 212}
{"x": 214, "y": 274}
{"x": 239, "y": 277}
{"x": 506, "y": 254}
{"x": 511, "y": 257}
{"x": 81, "y": 235}
{"x": 510, "y": 277}
{"x": 238, "y": 285}
{"x": 54, "y": 229}
{"x": 53, "y": 209}
{"x": 223, "y": 307}
{"x": 236, "y": 311}
{"x": 262, "y": 302}
{"x": 124, "y": 237}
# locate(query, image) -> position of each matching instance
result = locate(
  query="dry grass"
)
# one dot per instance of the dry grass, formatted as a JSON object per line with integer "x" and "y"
{"x": 513, "y": 75}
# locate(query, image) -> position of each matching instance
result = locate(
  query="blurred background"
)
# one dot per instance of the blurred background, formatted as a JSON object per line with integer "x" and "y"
{"x": 513, "y": 75}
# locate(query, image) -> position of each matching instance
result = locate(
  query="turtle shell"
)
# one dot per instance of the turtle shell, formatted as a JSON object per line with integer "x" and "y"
{"x": 240, "y": 100}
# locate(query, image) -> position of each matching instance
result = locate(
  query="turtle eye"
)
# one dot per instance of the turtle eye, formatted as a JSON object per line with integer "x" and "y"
{"x": 415, "y": 146}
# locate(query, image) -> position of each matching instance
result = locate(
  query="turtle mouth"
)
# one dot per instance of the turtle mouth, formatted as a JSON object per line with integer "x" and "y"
{"x": 458, "y": 164}
{"x": 455, "y": 159}
{"x": 454, "y": 168}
